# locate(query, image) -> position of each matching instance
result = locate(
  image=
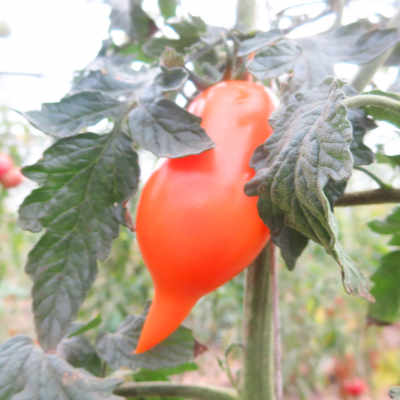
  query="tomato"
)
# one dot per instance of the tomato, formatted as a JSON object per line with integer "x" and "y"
{"x": 12, "y": 178}
{"x": 195, "y": 227}
{"x": 6, "y": 163}
{"x": 354, "y": 387}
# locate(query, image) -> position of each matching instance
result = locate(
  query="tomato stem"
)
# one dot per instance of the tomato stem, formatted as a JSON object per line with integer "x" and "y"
{"x": 258, "y": 375}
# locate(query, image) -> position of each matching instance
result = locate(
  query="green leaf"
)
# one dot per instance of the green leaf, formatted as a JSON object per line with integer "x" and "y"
{"x": 167, "y": 8}
{"x": 171, "y": 79}
{"x": 391, "y": 225}
{"x": 383, "y": 113}
{"x": 115, "y": 82}
{"x": 308, "y": 151}
{"x": 312, "y": 58}
{"x": 94, "y": 323}
{"x": 27, "y": 372}
{"x": 84, "y": 180}
{"x": 394, "y": 393}
{"x": 73, "y": 113}
{"x": 275, "y": 60}
{"x": 80, "y": 353}
{"x": 117, "y": 348}
{"x": 386, "y": 290}
{"x": 162, "y": 374}
{"x": 129, "y": 16}
{"x": 167, "y": 130}
{"x": 189, "y": 31}
{"x": 258, "y": 41}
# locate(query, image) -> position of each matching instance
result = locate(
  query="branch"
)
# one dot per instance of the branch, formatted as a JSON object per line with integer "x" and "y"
{"x": 368, "y": 197}
{"x": 366, "y": 72}
{"x": 169, "y": 389}
{"x": 365, "y": 100}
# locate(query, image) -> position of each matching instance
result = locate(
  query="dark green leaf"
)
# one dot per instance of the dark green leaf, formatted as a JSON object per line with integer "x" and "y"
{"x": 73, "y": 113}
{"x": 356, "y": 43}
{"x": 94, "y": 323}
{"x": 362, "y": 155}
{"x": 258, "y": 41}
{"x": 310, "y": 148}
{"x": 129, "y": 16}
{"x": 383, "y": 113}
{"x": 394, "y": 393}
{"x": 79, "y": 352}
{"x": 171, "y": 79}
{"x": 117, "y": 348}
{"x": 163, "y": 374}
{"x": 189, "y": 31}
{"x": 386, "y": 290}
{"x": 26, "y": 372}
{"x": 115, "y": 83}
{"x": 84, "y": 180}
{"x": 167, "y": 130}
{"x": 389, "y": 226}
{"x": 275, "y": 59}
{"x": 167, "y": 7}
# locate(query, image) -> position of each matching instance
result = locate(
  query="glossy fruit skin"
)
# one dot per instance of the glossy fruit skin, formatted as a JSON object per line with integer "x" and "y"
{"x": 195, "y": 227}
{"x": 6, "y": 163}
{"x": 12, "y": 178}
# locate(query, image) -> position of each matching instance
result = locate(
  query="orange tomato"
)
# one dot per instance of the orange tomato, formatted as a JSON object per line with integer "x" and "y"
{"x": 195, "y": 226}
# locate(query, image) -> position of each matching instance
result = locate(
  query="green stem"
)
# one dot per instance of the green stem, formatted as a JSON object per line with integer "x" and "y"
{"x": 375, "y": 178}
{"x": 246, "y": 15}
{"x": 168, "y": 389}
{"x": 365, "y": 100}
{"x": 366, "y": 73}
{"x": 369, "y": 197}
{"x": 258, "y": 379}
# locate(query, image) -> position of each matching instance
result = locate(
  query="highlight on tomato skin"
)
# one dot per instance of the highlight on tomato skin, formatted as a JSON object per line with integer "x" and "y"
{"x": 195, "y": 226}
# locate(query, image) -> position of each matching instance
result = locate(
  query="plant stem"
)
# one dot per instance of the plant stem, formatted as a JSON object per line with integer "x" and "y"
{"x": 365, "y": 100}
{"x": 246, "y": 15}
{"x": 368, "y": 197}
{"x": 276, "y": 325}
{"x": 168, "y": 389}
{"x": 375, "y": 178}
{"x": 258, "y": 375}
{"x": 366, "y": 73}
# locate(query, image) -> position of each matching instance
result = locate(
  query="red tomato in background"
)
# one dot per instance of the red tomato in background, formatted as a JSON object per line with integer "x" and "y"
{"x": 195, "y": 226}
{"x": 12, "y": 178}
{"x": 6, "y": 163}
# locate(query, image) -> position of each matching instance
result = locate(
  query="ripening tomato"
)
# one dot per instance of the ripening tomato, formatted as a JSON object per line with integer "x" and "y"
{"x": 12, "y": 178}
{"x": 354, "y": 387}
{"x": 6, "y": 163}
{"x": 195, "y": 226}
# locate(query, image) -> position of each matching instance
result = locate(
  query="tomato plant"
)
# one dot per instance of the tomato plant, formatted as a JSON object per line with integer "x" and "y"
{"x": 237, "y": 173}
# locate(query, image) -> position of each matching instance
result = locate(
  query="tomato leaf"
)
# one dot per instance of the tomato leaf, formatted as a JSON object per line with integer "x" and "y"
{"x": 386, "y": 289}
{"x": 308, "y": 151}
{"x": 394, "y": 393}
{"x": 75, "y": 112}
{"x": 80, "y": 353}
{"x": 94, "y": 323}
{"x": 84, "y": 180}
{"x": 27, "y": 372}
{"x": 313, "y": 58}
{"x": 129, "y": 16}
{"x": 167, "y": 130}
{"x": 258, "y": 41}
{"x": 171, "y": 79}
{"x": 117, "y": 348}
{"x": 275, "y": 60}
